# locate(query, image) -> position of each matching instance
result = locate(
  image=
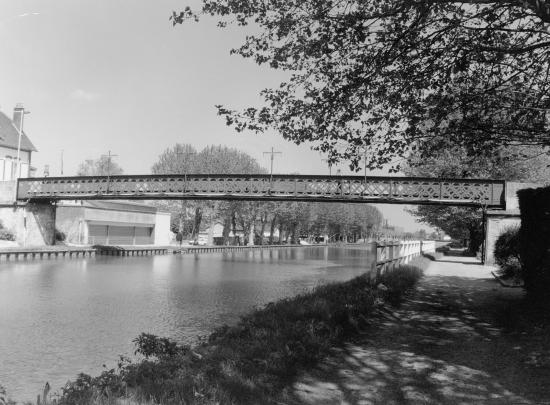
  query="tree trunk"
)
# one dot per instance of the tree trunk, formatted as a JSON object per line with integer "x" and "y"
{"x": 272, "y": 230}
{"x": 226, "y": 228}
{"x": 262, "y": 229}
{"x": 251, "y": 234}
{"x": 476, "y": 239}
{"x": 197, "y": 224}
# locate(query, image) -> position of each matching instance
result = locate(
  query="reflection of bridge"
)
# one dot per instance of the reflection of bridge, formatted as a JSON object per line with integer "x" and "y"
{"x": 259, "y": 187}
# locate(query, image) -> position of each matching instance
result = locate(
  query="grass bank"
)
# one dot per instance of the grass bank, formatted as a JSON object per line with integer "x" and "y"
{"x": 254, "y": 361}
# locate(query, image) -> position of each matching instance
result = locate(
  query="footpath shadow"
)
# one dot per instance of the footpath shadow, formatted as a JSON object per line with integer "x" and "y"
{"x": 469, "y": 262}
{"x": 440, "y": 347}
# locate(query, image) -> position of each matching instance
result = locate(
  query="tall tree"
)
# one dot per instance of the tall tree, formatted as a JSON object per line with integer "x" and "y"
{"x": 382, "y": 75}
{"x": 104, "y": 166}
{"x": 184, "y": 158}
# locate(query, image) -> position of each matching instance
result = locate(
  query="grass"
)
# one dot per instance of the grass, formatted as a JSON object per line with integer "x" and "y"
{"x": 253, "y": 362}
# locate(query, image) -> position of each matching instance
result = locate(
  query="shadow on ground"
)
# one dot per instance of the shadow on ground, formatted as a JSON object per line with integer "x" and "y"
{"x": 440, "y": 347}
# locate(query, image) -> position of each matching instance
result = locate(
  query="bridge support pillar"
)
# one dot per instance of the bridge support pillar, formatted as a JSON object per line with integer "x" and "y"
{"x": 32, "y": 224}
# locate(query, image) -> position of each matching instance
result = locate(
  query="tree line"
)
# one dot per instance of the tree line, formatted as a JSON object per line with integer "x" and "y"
{"x": 280, "y": 221}
{"x": 254, "y": 222}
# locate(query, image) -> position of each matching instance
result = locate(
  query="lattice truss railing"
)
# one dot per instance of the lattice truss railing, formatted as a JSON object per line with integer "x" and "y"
{"x": 261, "y": 187}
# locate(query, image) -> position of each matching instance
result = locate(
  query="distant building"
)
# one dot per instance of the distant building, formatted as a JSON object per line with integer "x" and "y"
{"x": 10, "y": 169}
{"x": 112, "y": 223}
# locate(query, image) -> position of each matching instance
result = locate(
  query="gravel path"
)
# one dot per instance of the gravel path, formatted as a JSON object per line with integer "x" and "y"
{"x": 441, "y": 346}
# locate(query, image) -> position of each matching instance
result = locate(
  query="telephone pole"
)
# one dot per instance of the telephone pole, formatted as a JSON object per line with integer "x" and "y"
{"x": 329, "y": 163}
{"x": 109, "y": 155}
{"x": 272, "y": 153}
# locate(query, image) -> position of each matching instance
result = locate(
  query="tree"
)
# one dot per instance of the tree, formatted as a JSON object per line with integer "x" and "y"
{"x": 512, "y": 163}
{"x": 104, "y": 166}
{"x": 382, "y": 75}
{"x": 184, "y": 158}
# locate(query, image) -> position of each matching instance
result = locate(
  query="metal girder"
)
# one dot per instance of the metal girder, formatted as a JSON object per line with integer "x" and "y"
{"x": 393, "y": 190}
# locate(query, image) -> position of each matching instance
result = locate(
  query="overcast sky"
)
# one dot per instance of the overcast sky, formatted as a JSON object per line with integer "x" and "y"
{"x": 115, "y": 75}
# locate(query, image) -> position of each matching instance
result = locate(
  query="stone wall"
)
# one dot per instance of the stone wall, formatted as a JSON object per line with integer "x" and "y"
{"x": 7, "y": 192}
{"x": 32, "y": 224}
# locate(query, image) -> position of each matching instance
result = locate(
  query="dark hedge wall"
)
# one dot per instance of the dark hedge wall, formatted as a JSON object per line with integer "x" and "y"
{"x": 534, "y": 204}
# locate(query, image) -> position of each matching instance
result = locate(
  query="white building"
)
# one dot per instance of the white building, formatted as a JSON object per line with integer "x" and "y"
{"x": 10, "y": 169}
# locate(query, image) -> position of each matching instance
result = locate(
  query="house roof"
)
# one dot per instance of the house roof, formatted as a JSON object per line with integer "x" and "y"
{"x": 9, "y": 135}
{"x": 121, "y": 206}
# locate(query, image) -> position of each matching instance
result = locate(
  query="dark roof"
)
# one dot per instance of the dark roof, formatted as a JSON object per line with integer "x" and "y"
{"x": 120, "y": 206}
{"x": 9, "y": 136}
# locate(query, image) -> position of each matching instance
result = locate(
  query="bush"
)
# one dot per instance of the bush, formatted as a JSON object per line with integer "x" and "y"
{"x": 6, "y": 235}
{"x": 507, "y": 255}
{"x": 60, "y": 236}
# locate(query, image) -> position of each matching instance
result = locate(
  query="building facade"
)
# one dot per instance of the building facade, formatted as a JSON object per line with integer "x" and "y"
{"x": 112, "y": 223}
{"x": 10, "y": 132}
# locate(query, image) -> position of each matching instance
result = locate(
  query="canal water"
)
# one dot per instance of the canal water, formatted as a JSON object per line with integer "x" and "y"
{"x": 65, "y": 316}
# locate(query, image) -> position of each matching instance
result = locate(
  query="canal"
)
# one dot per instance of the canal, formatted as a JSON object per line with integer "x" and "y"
{"x": 65, "y": 316}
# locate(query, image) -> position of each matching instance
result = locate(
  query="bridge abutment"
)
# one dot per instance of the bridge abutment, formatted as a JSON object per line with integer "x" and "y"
{"x": 32, "y": 224}
{"x": 497, "y": 221}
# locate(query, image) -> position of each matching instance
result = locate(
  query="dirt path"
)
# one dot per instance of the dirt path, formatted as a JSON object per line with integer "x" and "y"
{"x": 442, "y": 346}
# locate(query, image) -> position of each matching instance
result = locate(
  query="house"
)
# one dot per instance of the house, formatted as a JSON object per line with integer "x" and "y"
{"x": 10, "y": 169}
{"x": 111, "y": 223}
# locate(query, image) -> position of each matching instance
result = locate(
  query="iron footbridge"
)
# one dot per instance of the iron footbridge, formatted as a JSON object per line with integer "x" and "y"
{"x": 261, "y": 187}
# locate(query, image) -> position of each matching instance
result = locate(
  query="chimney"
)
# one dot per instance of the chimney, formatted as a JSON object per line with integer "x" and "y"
{"x": 18, "y": 112}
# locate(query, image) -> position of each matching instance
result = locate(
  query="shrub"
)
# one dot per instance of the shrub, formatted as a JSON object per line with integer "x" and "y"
{"x": 6, "y": 235}
{"x": 507, "y": 255}
{"x": 60, "y": 236}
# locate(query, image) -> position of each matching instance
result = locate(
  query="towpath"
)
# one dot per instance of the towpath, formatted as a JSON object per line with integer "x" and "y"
{"x": 448, "y": 343}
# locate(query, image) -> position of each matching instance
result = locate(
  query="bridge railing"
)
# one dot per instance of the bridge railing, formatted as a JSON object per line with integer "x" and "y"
{"x": 394, "y": 253}
{"x": 404, "y": 190}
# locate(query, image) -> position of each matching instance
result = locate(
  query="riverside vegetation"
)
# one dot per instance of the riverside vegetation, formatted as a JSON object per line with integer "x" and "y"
{"x": 254, "y": 361}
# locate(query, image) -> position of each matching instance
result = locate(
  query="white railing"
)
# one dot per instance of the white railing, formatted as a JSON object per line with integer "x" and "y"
{"x": 395, "y": 253}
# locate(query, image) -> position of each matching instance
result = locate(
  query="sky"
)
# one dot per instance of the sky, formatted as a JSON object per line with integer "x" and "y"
{"x": 115, "y": 75}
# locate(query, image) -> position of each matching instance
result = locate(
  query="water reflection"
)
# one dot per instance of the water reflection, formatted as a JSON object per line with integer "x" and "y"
{"x": 62, "y": 317}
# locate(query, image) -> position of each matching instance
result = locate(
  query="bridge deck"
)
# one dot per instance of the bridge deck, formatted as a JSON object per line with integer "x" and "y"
{"x": 395, "y": 190}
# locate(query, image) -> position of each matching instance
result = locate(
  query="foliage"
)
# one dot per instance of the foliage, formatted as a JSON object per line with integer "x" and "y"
{"x": 375, "y": 78}
{"x": 253, "y": 219}
{"x": 60, "y": 236}
{"x": 6, "y": 234}
{"x": 253, "y": 361}
{"x": 511, "y": 163}
{"x": 187, "y": 217}
{"x": 507, "y": 255}
{"x": 104, "y": 166}
{"x": 400, "y": 279}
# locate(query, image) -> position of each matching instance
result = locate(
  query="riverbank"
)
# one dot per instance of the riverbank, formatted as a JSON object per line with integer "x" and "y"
{"x": 12, "y": 251}
{"x": 254, "y": 361}
{"x": 459, "y": 338}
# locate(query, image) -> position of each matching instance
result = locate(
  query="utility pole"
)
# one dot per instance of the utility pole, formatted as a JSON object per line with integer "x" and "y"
{"x": 365, "y": 163}
{"x": 272, "y": 153}
{"x": 108, "y": 156}
{"x": 329, "y": 163}
{"x": 62, "y": 162}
